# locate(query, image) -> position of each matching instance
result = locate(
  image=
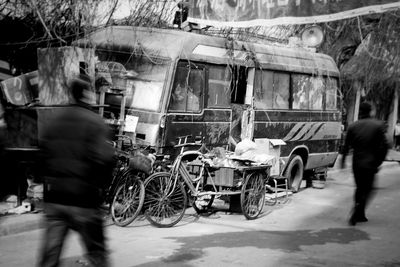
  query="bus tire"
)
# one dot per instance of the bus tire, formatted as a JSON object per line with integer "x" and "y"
{"x": 295, "y": 171}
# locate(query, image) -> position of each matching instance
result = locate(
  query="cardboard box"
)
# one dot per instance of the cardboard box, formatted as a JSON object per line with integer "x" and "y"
{"x": 271, "y": 147}
{"x": 224, "y": 177}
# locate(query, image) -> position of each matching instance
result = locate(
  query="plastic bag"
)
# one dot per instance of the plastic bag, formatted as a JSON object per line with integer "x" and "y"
{"x": 140, "y": 162}
{"x": 244, "y": 146}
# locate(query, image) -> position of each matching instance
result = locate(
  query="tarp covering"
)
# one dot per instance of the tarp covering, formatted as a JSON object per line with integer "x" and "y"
{"x": 248, "y": 13}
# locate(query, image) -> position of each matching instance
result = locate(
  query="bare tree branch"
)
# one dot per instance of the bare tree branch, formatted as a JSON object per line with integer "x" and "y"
{"x": 33, "y": 2}
{"x": 112, "y": 12}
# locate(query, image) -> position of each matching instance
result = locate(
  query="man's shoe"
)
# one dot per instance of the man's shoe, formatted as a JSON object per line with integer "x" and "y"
{"x": 362, "y": 219}
{"x": 352, "y": 221}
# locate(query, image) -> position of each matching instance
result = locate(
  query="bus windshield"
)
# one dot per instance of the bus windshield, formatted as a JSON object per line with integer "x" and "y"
{"x": 142, "y": 76}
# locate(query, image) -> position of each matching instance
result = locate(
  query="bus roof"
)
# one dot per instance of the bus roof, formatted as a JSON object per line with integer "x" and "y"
{"x": 178, "y": 44}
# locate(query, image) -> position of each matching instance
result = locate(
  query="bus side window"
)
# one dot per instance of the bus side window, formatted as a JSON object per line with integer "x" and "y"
{"x": 317, "y": 88}
{"x": 300, "y": 90}
{"x": 219, "y": 78}
{"x": 308, "y": 92}
{"x": 331, "y": 91}
{"x": 187, "y": 90}
{"x": 263, "y": 89}
{"x": 238, "y": 84}
{"x": 281, "y": 90}
{"x": 195, "y": 90}
{"x": 271, "y": 90}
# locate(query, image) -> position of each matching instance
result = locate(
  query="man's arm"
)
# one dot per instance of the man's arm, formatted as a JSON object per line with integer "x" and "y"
{"x": 101, "y": 153}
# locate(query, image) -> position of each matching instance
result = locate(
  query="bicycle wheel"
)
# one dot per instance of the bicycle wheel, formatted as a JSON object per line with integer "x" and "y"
{"x": 252, "y": 197}
{"x": 128, "y": 200}
{"x": 117, "y": 177}
{"x": 165, "y": 203}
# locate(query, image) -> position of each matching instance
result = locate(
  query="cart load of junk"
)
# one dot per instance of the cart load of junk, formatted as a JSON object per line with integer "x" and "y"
{"x": 248, "y": 104}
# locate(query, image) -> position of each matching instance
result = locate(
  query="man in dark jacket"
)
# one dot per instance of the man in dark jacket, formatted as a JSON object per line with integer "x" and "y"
{"x": 367, "y": 139}
{"x": 75, "y": 159}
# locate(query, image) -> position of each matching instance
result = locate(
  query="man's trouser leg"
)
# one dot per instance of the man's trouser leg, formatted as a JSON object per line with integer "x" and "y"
{"x": 89, "y": 224}
{"x": 364, "y": 179}
{"x": 56, "y": 230}
{"x": 368, "y": 186}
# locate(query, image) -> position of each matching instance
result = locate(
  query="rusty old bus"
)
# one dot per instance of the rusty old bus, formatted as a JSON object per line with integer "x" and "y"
{"x": 225, "y": 90}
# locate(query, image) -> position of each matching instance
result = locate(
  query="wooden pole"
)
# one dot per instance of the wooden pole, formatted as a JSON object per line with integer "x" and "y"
{"x": 392, "y": 120}
{"x": 357, "y": 102}
{"x": 101, "y": 102}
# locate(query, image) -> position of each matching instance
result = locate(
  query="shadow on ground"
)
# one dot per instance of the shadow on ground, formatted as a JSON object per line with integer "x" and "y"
{"x": 289, "y": 241}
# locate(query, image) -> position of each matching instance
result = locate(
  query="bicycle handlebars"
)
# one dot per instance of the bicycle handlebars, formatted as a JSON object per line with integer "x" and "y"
{"x": 183, "y": 141}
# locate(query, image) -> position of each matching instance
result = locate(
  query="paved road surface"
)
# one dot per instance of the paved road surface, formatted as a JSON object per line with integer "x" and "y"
{"x": 310, "y": 230}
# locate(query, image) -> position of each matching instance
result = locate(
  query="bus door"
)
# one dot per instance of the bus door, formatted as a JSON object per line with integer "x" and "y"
{"x": 228, "y": 105}
{"x": 242, "y": 121}
{"x": 198, "y": 105}
{"x": 217, "y": 108}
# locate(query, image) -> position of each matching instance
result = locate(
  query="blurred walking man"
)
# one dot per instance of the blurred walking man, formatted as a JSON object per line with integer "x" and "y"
{"x": 75, "y": 162}
{"x": 367, "y": 139}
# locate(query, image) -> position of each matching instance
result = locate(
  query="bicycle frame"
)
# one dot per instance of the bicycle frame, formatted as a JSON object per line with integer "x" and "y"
{"x": 178, "y": 168}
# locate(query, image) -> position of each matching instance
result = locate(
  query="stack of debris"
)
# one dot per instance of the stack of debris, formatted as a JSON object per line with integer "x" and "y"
{"x": 33, "y": 202}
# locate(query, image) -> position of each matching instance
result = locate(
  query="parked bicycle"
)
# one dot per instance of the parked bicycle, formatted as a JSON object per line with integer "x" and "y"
{"x": 126, "y": 191}
{"x": 166, "y": 196}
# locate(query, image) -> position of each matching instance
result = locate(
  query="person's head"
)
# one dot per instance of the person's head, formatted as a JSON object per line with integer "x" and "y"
{"x": 179, "y": 92}
{"x": 81, "y": 90}
{"x": 365, "y": 110}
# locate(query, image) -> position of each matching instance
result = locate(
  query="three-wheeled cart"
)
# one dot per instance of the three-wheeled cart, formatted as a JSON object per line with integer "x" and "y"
{"x": 166, "y": 192}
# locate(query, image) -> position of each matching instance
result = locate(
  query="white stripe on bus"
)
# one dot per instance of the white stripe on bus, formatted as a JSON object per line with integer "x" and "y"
{"x": 314, "y": 129}
{"x": 293, "y": 131}
{"x": 303, "y": 131}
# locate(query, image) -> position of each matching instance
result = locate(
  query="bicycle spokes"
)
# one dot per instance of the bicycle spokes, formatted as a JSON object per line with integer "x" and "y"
{"x": 165, "y": 203}
{"x": 253, "y": 195}
{"x": 128, "y": 201}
